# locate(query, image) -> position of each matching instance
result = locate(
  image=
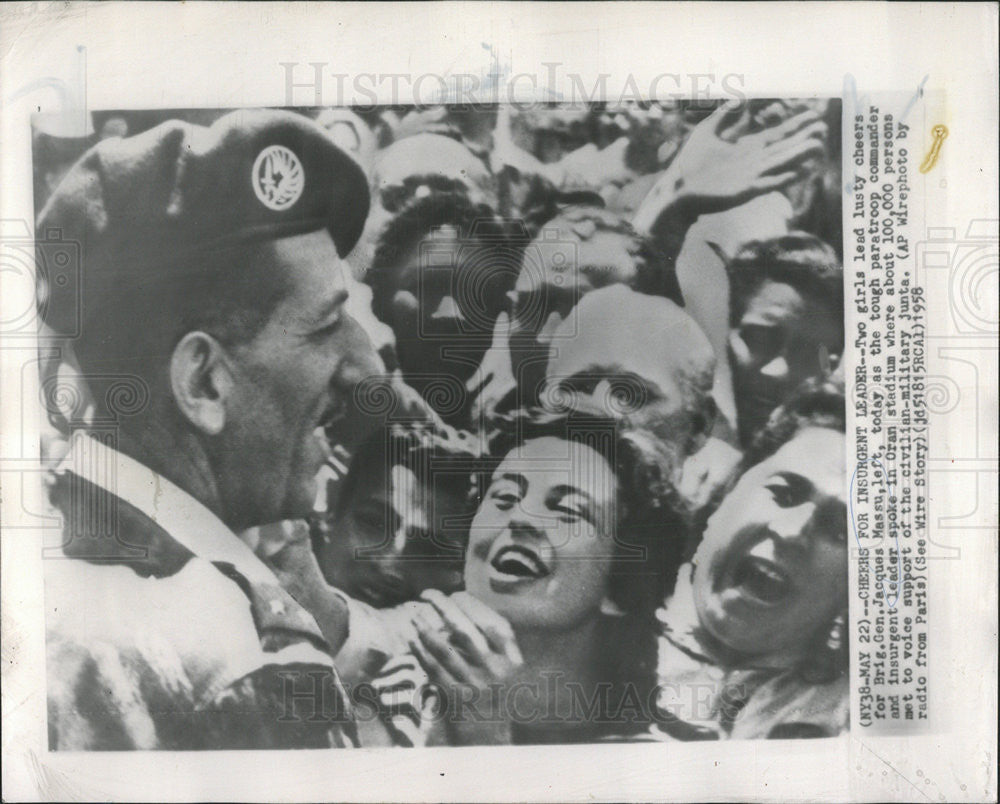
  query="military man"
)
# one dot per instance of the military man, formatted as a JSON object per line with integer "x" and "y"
{"x": 211, "y": 287}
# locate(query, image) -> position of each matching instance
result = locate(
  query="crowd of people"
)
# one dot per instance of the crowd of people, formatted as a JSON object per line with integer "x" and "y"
{"x": 450, "y": 426}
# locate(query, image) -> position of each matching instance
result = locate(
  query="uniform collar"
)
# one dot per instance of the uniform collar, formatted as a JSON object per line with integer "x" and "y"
{"x": 189, "y": 522}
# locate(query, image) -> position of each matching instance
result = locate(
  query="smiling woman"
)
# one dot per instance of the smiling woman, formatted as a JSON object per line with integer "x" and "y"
{"x": 759, "y": 615}
{"x": 573, "y": 545}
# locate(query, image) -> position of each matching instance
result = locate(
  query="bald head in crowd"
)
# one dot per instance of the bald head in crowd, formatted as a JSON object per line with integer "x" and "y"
{"x": 577, "y": 252}
{"x": 411, "y": 169}
{"x": 635, "y": 357}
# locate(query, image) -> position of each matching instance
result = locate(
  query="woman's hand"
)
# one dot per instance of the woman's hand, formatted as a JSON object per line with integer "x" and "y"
{"x": 470, "y": 651}
{"x": 720, "y": 166}
{"x": 707, "y": 472}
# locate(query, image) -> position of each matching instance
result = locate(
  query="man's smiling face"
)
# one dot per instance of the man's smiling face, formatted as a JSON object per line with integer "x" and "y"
{"x": 292, "y": 381}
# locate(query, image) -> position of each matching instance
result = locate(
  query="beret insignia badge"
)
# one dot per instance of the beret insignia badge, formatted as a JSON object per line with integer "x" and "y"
{"x": 277, "y": 177}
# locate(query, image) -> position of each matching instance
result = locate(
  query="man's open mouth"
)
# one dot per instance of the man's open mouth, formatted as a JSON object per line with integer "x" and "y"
{"x": 518, "y": 561}
{"x": 333, "y": 414}
{"x": 762, "y": 580}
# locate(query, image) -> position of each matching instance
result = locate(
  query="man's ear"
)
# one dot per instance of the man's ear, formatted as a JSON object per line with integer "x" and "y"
{"x": 201, "y": 381}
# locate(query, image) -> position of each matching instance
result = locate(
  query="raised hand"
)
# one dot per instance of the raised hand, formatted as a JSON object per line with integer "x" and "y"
{"x": 720, "y": 166}
{"x": 707, "y": 472}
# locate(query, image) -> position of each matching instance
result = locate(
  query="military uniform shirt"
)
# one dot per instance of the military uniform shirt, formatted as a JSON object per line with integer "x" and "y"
{"x": 165, "y": 631}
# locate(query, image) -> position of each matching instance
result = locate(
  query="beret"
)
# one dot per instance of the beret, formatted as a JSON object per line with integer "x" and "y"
{"x": 142, "y": 206}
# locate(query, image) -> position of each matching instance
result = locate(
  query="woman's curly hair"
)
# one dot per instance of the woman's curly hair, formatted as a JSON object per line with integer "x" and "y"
{"x": 651, "y": 530}
{"x": 649, "y": 541}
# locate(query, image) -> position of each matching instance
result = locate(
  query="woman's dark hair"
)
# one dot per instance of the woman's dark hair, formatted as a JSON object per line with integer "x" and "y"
{"x": 817, "y": 402}
{"x": 798, "y": 259}
{"x": 476, "y": 224}
{"x": 443, "y": 460}
{"x": 649, "y": 541}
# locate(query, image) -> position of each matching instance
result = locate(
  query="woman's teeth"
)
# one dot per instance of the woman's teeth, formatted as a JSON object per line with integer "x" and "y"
{"x": 762, "y": 580}
{"x": 520, "y": 562}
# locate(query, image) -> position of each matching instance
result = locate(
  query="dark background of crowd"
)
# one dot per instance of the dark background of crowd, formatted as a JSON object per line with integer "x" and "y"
{"x": 549, "y": 132}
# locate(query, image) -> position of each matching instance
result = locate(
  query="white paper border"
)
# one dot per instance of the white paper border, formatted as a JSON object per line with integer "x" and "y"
{"x": 147, "y": 55}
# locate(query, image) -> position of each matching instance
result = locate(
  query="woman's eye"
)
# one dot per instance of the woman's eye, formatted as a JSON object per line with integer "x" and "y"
{"x": 569, "y": 515}
{"x": 781, "y": 492}
{"x": 504, "y": 500}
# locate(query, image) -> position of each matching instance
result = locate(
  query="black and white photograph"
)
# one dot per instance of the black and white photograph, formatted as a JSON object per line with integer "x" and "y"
{"x": 595, "y": 401}
{"x": 445, "y": 425}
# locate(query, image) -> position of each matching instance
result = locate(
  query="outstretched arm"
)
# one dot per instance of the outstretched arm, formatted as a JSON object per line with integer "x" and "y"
{"x": 720, "y": 166}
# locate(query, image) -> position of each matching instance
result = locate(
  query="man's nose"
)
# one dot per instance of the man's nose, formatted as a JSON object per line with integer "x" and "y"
{"x": 359, "y": 360}
{"x": 776, "y": 369}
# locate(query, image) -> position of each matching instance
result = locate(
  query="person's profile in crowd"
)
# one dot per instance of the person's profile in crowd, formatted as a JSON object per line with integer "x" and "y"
{"x": 786, "y": 322}
{"x": 636, "y": 358}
